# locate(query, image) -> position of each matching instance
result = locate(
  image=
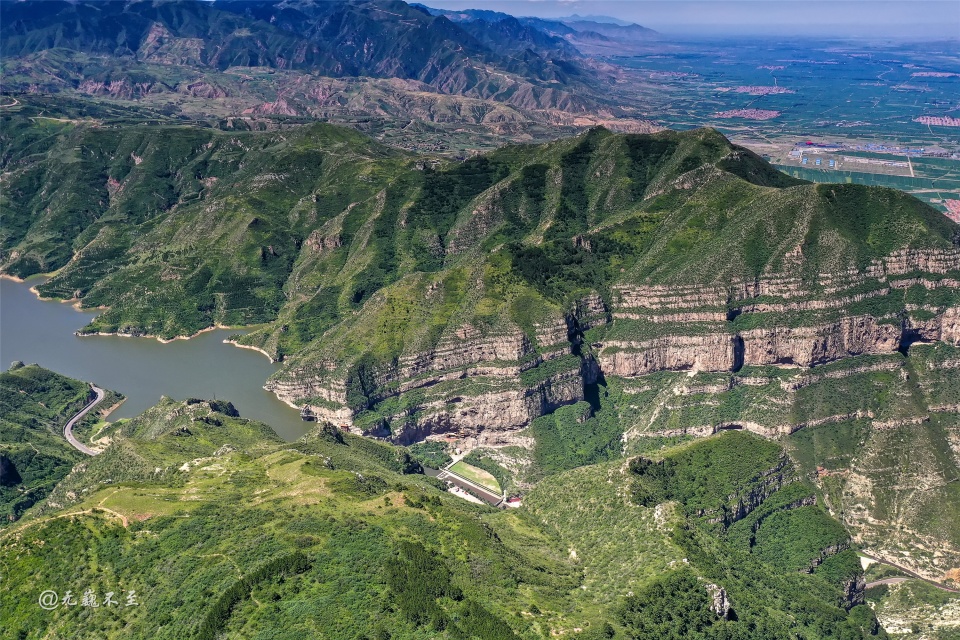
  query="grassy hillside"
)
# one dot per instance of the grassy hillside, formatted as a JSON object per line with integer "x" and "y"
{"x": 728, "y": 511}
{"x": 148, "y": 194}
{"x": 236, "y": 532}
{"x": 224, "y": 531}
{"x": 913, "y": 608}
{"x": 542, "y": 288}
{"x": 35, "y": 404}
{"x": 303, "y": 227}
{"x": 358, "y": 259}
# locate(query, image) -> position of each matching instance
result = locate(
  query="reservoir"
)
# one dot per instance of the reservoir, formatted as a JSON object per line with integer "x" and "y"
{"x": 142, "y": 369}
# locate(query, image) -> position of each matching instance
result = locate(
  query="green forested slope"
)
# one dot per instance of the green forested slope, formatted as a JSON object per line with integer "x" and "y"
{"x": 179, "y": 228}
{"x": 223, "y": 531}
{"x": 369, "y": 268}
{"x": 35, "y": 404}
{"x": 659, "y": 529}
{"x": 872, "y": 430}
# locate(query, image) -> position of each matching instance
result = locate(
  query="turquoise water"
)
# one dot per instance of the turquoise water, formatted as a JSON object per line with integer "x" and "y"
{"x": 143, "y": 369}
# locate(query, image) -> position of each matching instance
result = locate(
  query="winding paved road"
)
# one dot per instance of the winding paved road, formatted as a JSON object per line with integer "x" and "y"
{"x": 68, "y": 430}
{"x": 877, "y": 583}
{"x": 938, "y": 585}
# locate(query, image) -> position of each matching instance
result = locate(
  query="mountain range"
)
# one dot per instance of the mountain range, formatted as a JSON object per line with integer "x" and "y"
{"x": 498, "y": 75}
{"x": 662, "y": 285}
{"x": 719, "y": 390}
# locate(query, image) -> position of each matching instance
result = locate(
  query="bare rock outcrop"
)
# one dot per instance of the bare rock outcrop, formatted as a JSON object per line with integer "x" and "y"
{"x": 468, "y": 383}
{"x": 720, "y": 602}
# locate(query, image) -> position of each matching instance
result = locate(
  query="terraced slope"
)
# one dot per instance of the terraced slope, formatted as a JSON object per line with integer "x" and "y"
{"x": 618, "y": 256}
{"x": 877, "y": 434}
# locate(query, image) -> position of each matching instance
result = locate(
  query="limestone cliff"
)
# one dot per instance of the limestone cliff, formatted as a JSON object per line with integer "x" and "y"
{"x": 474, "y": 381}
{"x": 466, "y": 384}
{"x": 783, "y": 321}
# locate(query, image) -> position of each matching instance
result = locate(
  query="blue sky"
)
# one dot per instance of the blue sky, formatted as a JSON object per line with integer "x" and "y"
{"x": 886, "y": 18}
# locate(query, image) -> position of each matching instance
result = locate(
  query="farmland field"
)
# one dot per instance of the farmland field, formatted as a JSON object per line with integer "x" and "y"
{"x": 861, "y": 100}
{"x": 837, "y": 90}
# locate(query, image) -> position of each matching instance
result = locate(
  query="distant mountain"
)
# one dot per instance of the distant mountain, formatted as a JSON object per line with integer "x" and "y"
{"x": 377, "y": 38}
{"x": 502, "y": 30}
{"x": 389, "y": 38}
{"x": 355, "y": 38}
{"x": 626, "y": 33}
{"x": 594, "y": 18}
{"x": 175, "y": 33}
{"x": 605, "y": 39}
{"x": 587, "y": 35}
{"x": 466, "y": 15}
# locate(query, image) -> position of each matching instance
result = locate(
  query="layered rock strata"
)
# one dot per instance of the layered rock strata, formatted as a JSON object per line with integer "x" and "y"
{"x": 468, "y": 383}
{"x": 473, "y": 382}
{"x": 784, "y": 320}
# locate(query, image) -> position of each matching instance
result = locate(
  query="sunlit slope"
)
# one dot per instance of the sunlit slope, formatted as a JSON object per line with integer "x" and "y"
{"x": 725, "y": 523}
{"x": 178, "y": 228}
{"x": 35, "y": 405}
{"x": 382, "y": 277}
{"x": 876, "y": 433}
{"x": 221, "y": 529}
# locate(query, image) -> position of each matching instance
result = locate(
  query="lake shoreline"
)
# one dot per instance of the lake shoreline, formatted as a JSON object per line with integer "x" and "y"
{"x": 35, "y": 330}
{"x": 252, "y": 348}
{"x": 116, "y": 405}
{"x": 216, "y": 327}
{"x": 76, "y": 304}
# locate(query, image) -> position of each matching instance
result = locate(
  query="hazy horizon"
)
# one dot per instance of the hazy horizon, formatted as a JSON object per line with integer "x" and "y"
{"x": 926, "y": 19}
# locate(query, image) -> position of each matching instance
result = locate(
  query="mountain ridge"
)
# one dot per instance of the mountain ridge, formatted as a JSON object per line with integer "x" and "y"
{"x": 377, "y": 65}
{"x": 607, "y": 254}
{"x": 521, "y": 298}
{"x": 318, "y": 37}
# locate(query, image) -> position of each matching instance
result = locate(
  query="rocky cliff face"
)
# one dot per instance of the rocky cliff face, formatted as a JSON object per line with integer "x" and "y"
{"x": 467, "y": 384}
{"x": 475, "y": 382}
{"x": 739, "y": 506}
{"x": 408, "y": 299}
{"x": 783, "y": 321}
